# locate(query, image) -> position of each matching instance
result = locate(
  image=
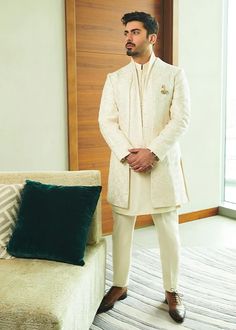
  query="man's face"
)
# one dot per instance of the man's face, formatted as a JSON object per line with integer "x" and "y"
{"x": 137, "y": 42}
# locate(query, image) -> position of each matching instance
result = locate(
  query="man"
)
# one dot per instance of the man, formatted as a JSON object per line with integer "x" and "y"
{"x": 144, "y": 111}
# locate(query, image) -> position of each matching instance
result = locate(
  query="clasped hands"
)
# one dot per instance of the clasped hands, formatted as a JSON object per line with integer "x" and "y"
{"x": 141, "y": 159}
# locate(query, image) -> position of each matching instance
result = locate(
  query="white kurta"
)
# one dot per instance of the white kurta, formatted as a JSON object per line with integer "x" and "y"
{"x": 140, "y": 183}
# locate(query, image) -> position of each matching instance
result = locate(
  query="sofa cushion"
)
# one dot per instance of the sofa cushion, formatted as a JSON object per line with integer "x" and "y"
{"x": 48, "y": 295}
{"x": 53, "y": 222}
{"x": 10, "y": 197}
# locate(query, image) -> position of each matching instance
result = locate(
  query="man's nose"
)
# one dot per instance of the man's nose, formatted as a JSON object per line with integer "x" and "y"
{"x": 128, "y": 38}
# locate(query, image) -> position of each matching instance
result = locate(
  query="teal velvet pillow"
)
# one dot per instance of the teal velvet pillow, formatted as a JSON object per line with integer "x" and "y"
{"x": 53, "y": 222}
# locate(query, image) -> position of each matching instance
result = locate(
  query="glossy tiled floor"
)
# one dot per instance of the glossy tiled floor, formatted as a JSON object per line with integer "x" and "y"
{"x": 215, "y": 231}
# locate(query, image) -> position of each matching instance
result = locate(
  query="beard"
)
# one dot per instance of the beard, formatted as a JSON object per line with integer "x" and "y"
{"x": 129, "y": 52}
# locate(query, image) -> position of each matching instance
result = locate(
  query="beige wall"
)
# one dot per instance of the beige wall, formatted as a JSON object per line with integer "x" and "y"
{"x": 33, "y": 128}
{"x": 33, "y": 124}
{"x": 200, "y": 54}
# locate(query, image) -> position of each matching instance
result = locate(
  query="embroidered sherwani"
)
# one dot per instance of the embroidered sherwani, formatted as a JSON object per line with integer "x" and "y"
{"x": 145, "y": 107}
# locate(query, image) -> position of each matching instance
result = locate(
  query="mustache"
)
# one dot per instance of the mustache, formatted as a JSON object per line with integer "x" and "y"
{"x": 129, "y": 44}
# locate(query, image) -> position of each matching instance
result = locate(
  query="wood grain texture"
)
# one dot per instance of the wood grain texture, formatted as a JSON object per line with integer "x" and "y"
{"x": 71, "y": 84}
{"x": 98, "y": 23}
{"x": 96, "y": 32}
{"x": 167, "y": 10}
{"x": 93, "y": 152}
{"x": 198, "y": 214}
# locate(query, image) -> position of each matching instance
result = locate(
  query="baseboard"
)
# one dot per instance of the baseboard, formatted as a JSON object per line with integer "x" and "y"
{"x": 146, "y": 220}
{"x": 198, "y": 214}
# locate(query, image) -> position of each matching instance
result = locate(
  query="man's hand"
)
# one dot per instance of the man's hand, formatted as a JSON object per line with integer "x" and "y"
{"x": 141, "y": 159}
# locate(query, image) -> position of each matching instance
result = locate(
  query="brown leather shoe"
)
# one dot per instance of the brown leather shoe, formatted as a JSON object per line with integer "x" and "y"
{"x": 111, "y": 297}
{"x": 176, "y": 307}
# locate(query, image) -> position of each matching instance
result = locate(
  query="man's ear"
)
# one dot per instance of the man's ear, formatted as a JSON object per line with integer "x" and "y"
{"x": 152, "y": 38}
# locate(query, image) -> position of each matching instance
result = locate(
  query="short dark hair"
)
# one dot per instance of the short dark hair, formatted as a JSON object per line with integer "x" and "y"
{"x": 149, "y": 22}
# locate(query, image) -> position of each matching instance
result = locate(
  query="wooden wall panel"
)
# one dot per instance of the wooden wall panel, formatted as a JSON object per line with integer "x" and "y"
{"x": 99, "y": 50}
{"x": 71, "y": 84}
{"x": 93, "y": 152}
{"x": 98, "y": 23}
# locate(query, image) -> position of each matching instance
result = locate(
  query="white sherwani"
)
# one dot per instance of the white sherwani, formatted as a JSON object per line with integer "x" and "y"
{"x": 145, "y": 109}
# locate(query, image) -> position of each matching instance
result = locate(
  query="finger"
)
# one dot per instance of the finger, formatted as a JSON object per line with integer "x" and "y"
{"x": 140, "y": 170}
{"x": 132, "y": 164}
{"x": 136, "y": 167}
{"x": 134, "y": 150}
{"x": 135, "y": 162}
{"x": 146, "y": 168}
{"x": 130, "y": 160}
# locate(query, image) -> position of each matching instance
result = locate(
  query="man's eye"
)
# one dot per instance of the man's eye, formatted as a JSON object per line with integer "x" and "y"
{"x": 135, "y": 32}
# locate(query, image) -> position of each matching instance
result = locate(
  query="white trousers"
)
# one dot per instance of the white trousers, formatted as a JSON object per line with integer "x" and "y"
{"x": 167, "y": 228}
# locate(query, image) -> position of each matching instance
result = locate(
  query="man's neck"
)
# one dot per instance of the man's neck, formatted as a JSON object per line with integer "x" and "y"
{"x": 142, "y": 59}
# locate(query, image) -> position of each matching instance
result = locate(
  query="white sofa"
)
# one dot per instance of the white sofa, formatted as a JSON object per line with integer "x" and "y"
{"x": 40, "y": 294}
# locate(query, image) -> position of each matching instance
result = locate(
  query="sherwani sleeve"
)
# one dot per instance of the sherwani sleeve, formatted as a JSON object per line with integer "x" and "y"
{"x": 109, "y": 123}
{"x": 179, "y": 118}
